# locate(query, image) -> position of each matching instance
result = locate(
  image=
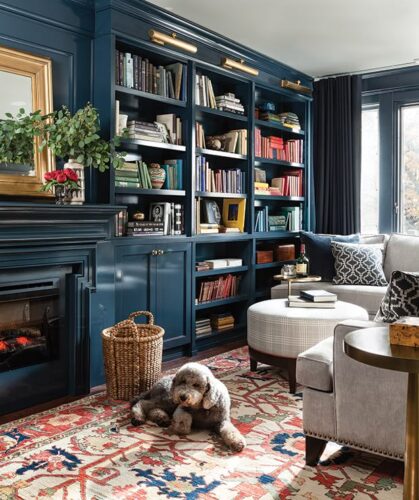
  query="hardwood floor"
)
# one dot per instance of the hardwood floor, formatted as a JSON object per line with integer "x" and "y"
{"x": 168, "y": 365}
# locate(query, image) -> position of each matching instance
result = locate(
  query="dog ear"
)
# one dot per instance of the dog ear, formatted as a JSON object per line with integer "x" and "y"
{"x": 211, "y": 395}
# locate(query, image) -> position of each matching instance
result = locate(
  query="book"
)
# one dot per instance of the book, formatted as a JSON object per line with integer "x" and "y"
{"x": 296, "y": 301}
{"x": 319, "y": 295}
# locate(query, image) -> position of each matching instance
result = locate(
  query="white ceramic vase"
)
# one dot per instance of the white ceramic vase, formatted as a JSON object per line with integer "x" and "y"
{"x": 78, "y": 197}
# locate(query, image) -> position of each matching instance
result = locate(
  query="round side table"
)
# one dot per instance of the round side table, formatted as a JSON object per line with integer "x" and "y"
{"x": 296, "y": 279}
{"x": 372, "y": 347}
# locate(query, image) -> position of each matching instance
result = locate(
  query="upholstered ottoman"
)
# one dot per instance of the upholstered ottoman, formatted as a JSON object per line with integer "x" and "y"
{"x": 277, "y": 334}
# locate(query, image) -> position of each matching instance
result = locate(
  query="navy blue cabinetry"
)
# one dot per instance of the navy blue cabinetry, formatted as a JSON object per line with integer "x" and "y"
{"x": 156, "y": 277}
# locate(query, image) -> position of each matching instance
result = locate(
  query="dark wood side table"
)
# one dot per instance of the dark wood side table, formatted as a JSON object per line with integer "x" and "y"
{"x": 372, "y": 347}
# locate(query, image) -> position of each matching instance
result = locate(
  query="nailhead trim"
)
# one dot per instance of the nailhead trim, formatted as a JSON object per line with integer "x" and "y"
{"x": 353, "y": 444}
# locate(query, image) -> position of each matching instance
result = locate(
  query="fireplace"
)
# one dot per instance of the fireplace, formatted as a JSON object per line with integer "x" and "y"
{"x": 36, "y": 345}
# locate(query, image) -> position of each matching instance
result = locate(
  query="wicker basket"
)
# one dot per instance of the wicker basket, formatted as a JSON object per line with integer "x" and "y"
{"x": 133, "y": 356}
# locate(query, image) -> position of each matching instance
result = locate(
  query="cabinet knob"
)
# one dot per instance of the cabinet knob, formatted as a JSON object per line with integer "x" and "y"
{"x": 160, "y": 252}
{"x": 154, "y": 252}
{"x": 118, "y": 275}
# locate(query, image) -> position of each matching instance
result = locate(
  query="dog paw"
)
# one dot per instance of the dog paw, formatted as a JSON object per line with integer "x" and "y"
{"x": 180, "y": 428}
{"x": 238, "y": 444}
{"x": 135, "y": 422}
{"x": 163, "y": 421}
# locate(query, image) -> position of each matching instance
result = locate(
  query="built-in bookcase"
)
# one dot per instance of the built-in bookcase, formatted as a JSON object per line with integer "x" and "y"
{"x": 254, "y": 280}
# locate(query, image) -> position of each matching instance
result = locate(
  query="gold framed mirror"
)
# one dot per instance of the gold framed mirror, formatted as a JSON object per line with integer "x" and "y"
{"x": 25, "y": 82}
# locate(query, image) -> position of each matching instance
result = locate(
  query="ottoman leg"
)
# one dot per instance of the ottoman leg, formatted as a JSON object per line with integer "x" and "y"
{"x": 292, "y": 380}
{"x": 253, "y": 365}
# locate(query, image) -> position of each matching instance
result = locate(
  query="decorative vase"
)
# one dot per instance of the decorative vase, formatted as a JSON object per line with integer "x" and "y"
{"x": 157, "y": 175}
{"x": 63, "y": 194}
{"x": 78, "y": 197}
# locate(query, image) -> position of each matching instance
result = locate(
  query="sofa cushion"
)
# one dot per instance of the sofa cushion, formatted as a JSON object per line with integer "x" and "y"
{"x": 368, "y": 297}
{"x": 401, "y": 298}
{"x": 320, "y": 253}
{"x": 358, "y": 264}
{"x": 315, "y": 366}
{"x": 401, "y": 254}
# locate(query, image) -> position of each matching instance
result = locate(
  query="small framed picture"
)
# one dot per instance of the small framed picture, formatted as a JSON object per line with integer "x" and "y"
{"x": 234, "y": 213}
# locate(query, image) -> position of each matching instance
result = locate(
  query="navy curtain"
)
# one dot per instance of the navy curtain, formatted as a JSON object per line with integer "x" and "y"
{"x": 337, "y": 154}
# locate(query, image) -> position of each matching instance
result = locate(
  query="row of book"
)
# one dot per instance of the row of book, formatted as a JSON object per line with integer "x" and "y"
{"x": 205, "y": 96}
{"x": 218, "y": 289}
{"x": 136, "y": 72}
{"x": 233, "y": 141}
{"x": 276, "y": 148}
{"x": 218, "y": 180}
{"x": 216, "y": 322}
{"x": 164, "y": 219}
{"x": 166, "y": 128}
{"x": 289, "y": 184}
{"x": 284, "y": 219}
{"x": 136, "y": 175}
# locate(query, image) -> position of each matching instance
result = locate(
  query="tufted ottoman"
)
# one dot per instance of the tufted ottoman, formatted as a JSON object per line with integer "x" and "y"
{"x": 277, "y": 334}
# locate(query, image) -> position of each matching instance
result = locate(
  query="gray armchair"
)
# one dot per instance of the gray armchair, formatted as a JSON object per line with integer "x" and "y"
{"x": 348, "y": 402}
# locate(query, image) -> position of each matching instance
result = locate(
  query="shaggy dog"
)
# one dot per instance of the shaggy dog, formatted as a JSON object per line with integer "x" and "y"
{"x": 191, "y": 398}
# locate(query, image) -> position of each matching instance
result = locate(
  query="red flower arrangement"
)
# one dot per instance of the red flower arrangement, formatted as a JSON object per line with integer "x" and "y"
{"x": 64, "y": 178}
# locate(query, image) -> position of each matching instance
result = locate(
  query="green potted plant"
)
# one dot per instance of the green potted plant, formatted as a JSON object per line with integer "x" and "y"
{"x": 75, "y": 139}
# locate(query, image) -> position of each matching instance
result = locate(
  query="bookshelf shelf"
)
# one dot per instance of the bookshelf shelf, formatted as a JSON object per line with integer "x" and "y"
{"x": 222, "y": 302}
{"x": 221, "y": 154}
{"x": 221, "y": 237}
{"x": 279, "y": 127}
{"x": 279, "y": 163}
{"x": 149, "y": 192}
{"x": 148, "y": 95}
{"x": 272, "y": 235}
{"x": 268, "y": 197}
{"x": 272, "y": 265}
{"x": 224, "y": 270}
{"x": 219, "y": 113}
{"x": 151, "y": 144}
{"x": 208, "y": 194}
{"x": 215, "y": 333}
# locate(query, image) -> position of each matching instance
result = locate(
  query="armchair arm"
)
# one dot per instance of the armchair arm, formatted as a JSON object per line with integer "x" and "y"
{"x": 369, "y": 402}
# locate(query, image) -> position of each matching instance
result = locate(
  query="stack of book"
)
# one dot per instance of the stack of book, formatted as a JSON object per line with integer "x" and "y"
{"x": 128, "y": 175}
{"x": 207, "y": 265}
{"x": 216, "y": 180}
{"x": 171, "y": 215}
{"x": 218, "y": 289}
{"x": 136, "y": 72}
{"x": 229, "y": 102}
{"x": 145, "y": 228}
{"x": 167, "y": 129}
{"x": 203, "y": 327}
{"x": 290, "y": 120}
{"x": 222, "y": 321}
{"x": 275, "y": 148}
{"x": 318, "y": 299}
{"x": 286, "y": 219}
{"x": 290, "y": 184}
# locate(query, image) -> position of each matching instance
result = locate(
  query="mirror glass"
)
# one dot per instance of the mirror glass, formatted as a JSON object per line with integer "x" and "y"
{"x": 16, "y": 93}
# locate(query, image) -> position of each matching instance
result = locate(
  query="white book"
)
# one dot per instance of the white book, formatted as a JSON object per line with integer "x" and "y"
{"x": 319, "y": 295}
{"x": 217, "y": 263}
{"x": 295, "y": 301}
{"x": 129, "y": 70}
{"x": 234, "y": 262}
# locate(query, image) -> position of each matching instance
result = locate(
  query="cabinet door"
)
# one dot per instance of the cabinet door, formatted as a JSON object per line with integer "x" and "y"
{"x": 134, "y": 275}
{"x": 172, "y": 297}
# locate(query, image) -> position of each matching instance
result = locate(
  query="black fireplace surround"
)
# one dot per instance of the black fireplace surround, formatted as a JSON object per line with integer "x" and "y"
{"x": 56, "y": 295}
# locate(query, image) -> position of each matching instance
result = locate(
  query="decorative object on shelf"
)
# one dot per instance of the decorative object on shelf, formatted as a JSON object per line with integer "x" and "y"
{"x": 234, "y": 213}
{"x": 28, "y": 80}
{"x": 405, "y": 331}
{"x": 77, "y": 137}
{"x": 286, "y": 84}
{"x": 214, "y": 143}
{"x": 228, "y": 63}
{"x": 157, "y": 175}
{"x": 288, "y": 271}
{"x": 65, "y": 184}
{"x": 78, "y": 196}
{"x": 264, "y": 256}
{"x": 138, "y": 216}
{"x": 284, "y": 252}
{"x": 211, "y": 212}
{"x": 163, "y": 39}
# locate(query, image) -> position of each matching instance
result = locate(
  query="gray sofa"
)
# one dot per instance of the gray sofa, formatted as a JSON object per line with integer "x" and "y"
{"x": 349, "y": 402}
{"x": 401, "y": 253}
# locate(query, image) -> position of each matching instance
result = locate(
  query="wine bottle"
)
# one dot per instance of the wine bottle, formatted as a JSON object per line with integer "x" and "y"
{"x": 302, "y": 263}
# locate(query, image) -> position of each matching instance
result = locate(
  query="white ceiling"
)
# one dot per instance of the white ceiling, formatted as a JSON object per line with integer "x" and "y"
{"x": 318, "y": 37}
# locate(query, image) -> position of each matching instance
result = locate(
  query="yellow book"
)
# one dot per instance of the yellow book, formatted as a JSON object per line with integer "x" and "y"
{"x": 261, "y": 185}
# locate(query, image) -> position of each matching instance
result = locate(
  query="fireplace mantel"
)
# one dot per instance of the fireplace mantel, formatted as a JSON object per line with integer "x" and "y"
{"x": 32, "y": 223}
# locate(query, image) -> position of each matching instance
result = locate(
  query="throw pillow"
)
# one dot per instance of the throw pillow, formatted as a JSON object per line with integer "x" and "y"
{"x": 319, "y": 252}
{"x": 401, "y": 298}
{"x": 358, "y": 264}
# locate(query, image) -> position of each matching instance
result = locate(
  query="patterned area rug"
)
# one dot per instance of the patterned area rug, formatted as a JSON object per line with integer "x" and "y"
{"x": 88, "y": 450}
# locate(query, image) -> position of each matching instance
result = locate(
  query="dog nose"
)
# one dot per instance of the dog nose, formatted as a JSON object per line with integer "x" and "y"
{"x": 183, "y": 397}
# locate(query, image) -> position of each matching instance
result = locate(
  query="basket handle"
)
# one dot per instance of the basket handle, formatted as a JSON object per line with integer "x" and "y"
{"x": 147, "y": 314}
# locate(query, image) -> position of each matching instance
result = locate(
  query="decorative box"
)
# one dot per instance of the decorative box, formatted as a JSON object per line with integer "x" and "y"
{"x": 264, "y": 256}
{"x": 405, "y": 331}
{"x": 284, "y": 252}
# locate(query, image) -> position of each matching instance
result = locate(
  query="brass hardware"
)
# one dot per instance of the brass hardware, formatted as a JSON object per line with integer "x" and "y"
{"x": 163, "y": 39}
{"x": 228, "y": 63}
{"x": 154, "y": 252}
{"x": 160, "y": 252}
{"x": 286, "y": 84}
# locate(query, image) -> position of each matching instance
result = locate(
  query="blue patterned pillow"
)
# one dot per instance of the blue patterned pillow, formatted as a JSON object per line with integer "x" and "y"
{"x": 358, "y": 264}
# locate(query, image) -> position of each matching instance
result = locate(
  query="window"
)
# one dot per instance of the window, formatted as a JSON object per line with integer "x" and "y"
{"x": 409, "y": 169}
{"x": 370, "y": 170}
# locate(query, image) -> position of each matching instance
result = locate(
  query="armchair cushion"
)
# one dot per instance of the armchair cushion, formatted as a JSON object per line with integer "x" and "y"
{"x": 401, "y": 298}
{"x": 315, "y": 366}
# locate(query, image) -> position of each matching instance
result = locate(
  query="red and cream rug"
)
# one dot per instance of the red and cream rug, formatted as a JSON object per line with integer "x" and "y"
{"x": 88, "y": 450}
